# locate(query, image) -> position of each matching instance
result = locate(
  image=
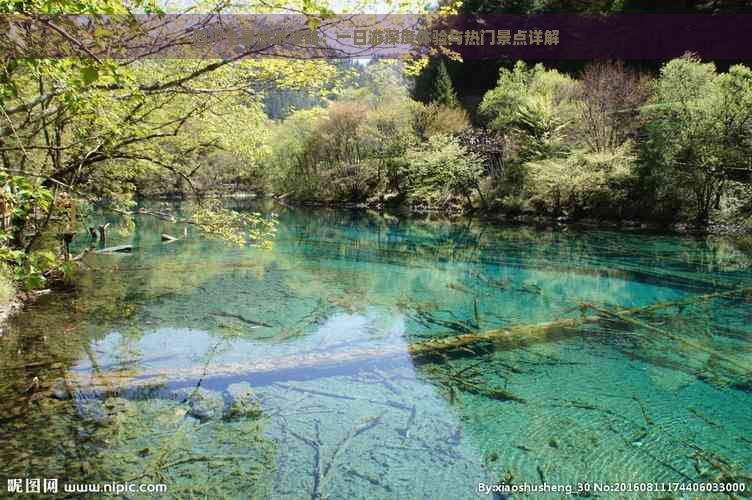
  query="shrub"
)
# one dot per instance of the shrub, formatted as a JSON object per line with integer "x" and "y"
{"x": 433, "y": 119}
{"x": 698, "y": 129}
{"x": 441, "y": 170}
{"x": 581, "y": 181}
{"x": 290, "y": 163}
{"x": 534, "y": 107}
{"x": 346, "y": 152}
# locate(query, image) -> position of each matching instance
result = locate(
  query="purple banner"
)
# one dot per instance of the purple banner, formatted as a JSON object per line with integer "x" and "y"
{"x": 554, "y": 36}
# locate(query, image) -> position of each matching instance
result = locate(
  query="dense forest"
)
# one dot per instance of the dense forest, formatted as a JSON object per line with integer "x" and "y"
{"x": 659, "y": 142}
{"x": 607, "y": 142}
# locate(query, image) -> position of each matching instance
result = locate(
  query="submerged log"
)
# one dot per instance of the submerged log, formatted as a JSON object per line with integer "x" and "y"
{"x": 116, "y": 249}
{"x": 103, "y": 232}
{"x": 240, "y": 317}
{"x": 541, "y": 330}
{"x": 307, "y": 364}
{"x": 67, "y": 239}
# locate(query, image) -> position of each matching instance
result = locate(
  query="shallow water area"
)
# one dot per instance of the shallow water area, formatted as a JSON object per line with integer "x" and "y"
{"x": 328, "y": 366}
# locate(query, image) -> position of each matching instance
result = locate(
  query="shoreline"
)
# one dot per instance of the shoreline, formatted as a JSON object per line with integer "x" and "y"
{"x": 531, "y": 219}
{"x": 18, "y": 303}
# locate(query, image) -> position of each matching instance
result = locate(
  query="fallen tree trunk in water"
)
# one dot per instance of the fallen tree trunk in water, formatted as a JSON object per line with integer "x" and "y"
{"x": 305, "y": 365}
{"x": 117, "y": 249}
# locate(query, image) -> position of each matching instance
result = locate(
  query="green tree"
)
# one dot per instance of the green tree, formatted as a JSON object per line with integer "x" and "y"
{"x": 88, "y": 127}
{"x": 699, "y": 131}
{"x": 442, "y": 90}
{"x": 533, "y": 107}
{"x": 573, "y": 155}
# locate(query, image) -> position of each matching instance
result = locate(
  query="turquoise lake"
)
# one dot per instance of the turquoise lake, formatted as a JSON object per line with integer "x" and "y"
{"x": 328, "y": 366}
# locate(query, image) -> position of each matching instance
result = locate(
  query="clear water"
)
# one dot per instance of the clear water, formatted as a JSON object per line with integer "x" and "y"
{"x": 317, "y": 332}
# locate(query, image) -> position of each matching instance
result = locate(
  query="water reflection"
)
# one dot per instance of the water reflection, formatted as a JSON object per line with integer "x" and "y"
{"x": 294, "y": 372}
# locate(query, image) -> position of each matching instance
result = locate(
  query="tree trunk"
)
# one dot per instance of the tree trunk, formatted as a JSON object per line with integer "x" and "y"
{"x": 308, "y": 364}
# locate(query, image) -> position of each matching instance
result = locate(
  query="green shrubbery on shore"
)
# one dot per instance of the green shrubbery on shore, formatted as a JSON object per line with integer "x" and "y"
{"x": 606, "y": 143}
